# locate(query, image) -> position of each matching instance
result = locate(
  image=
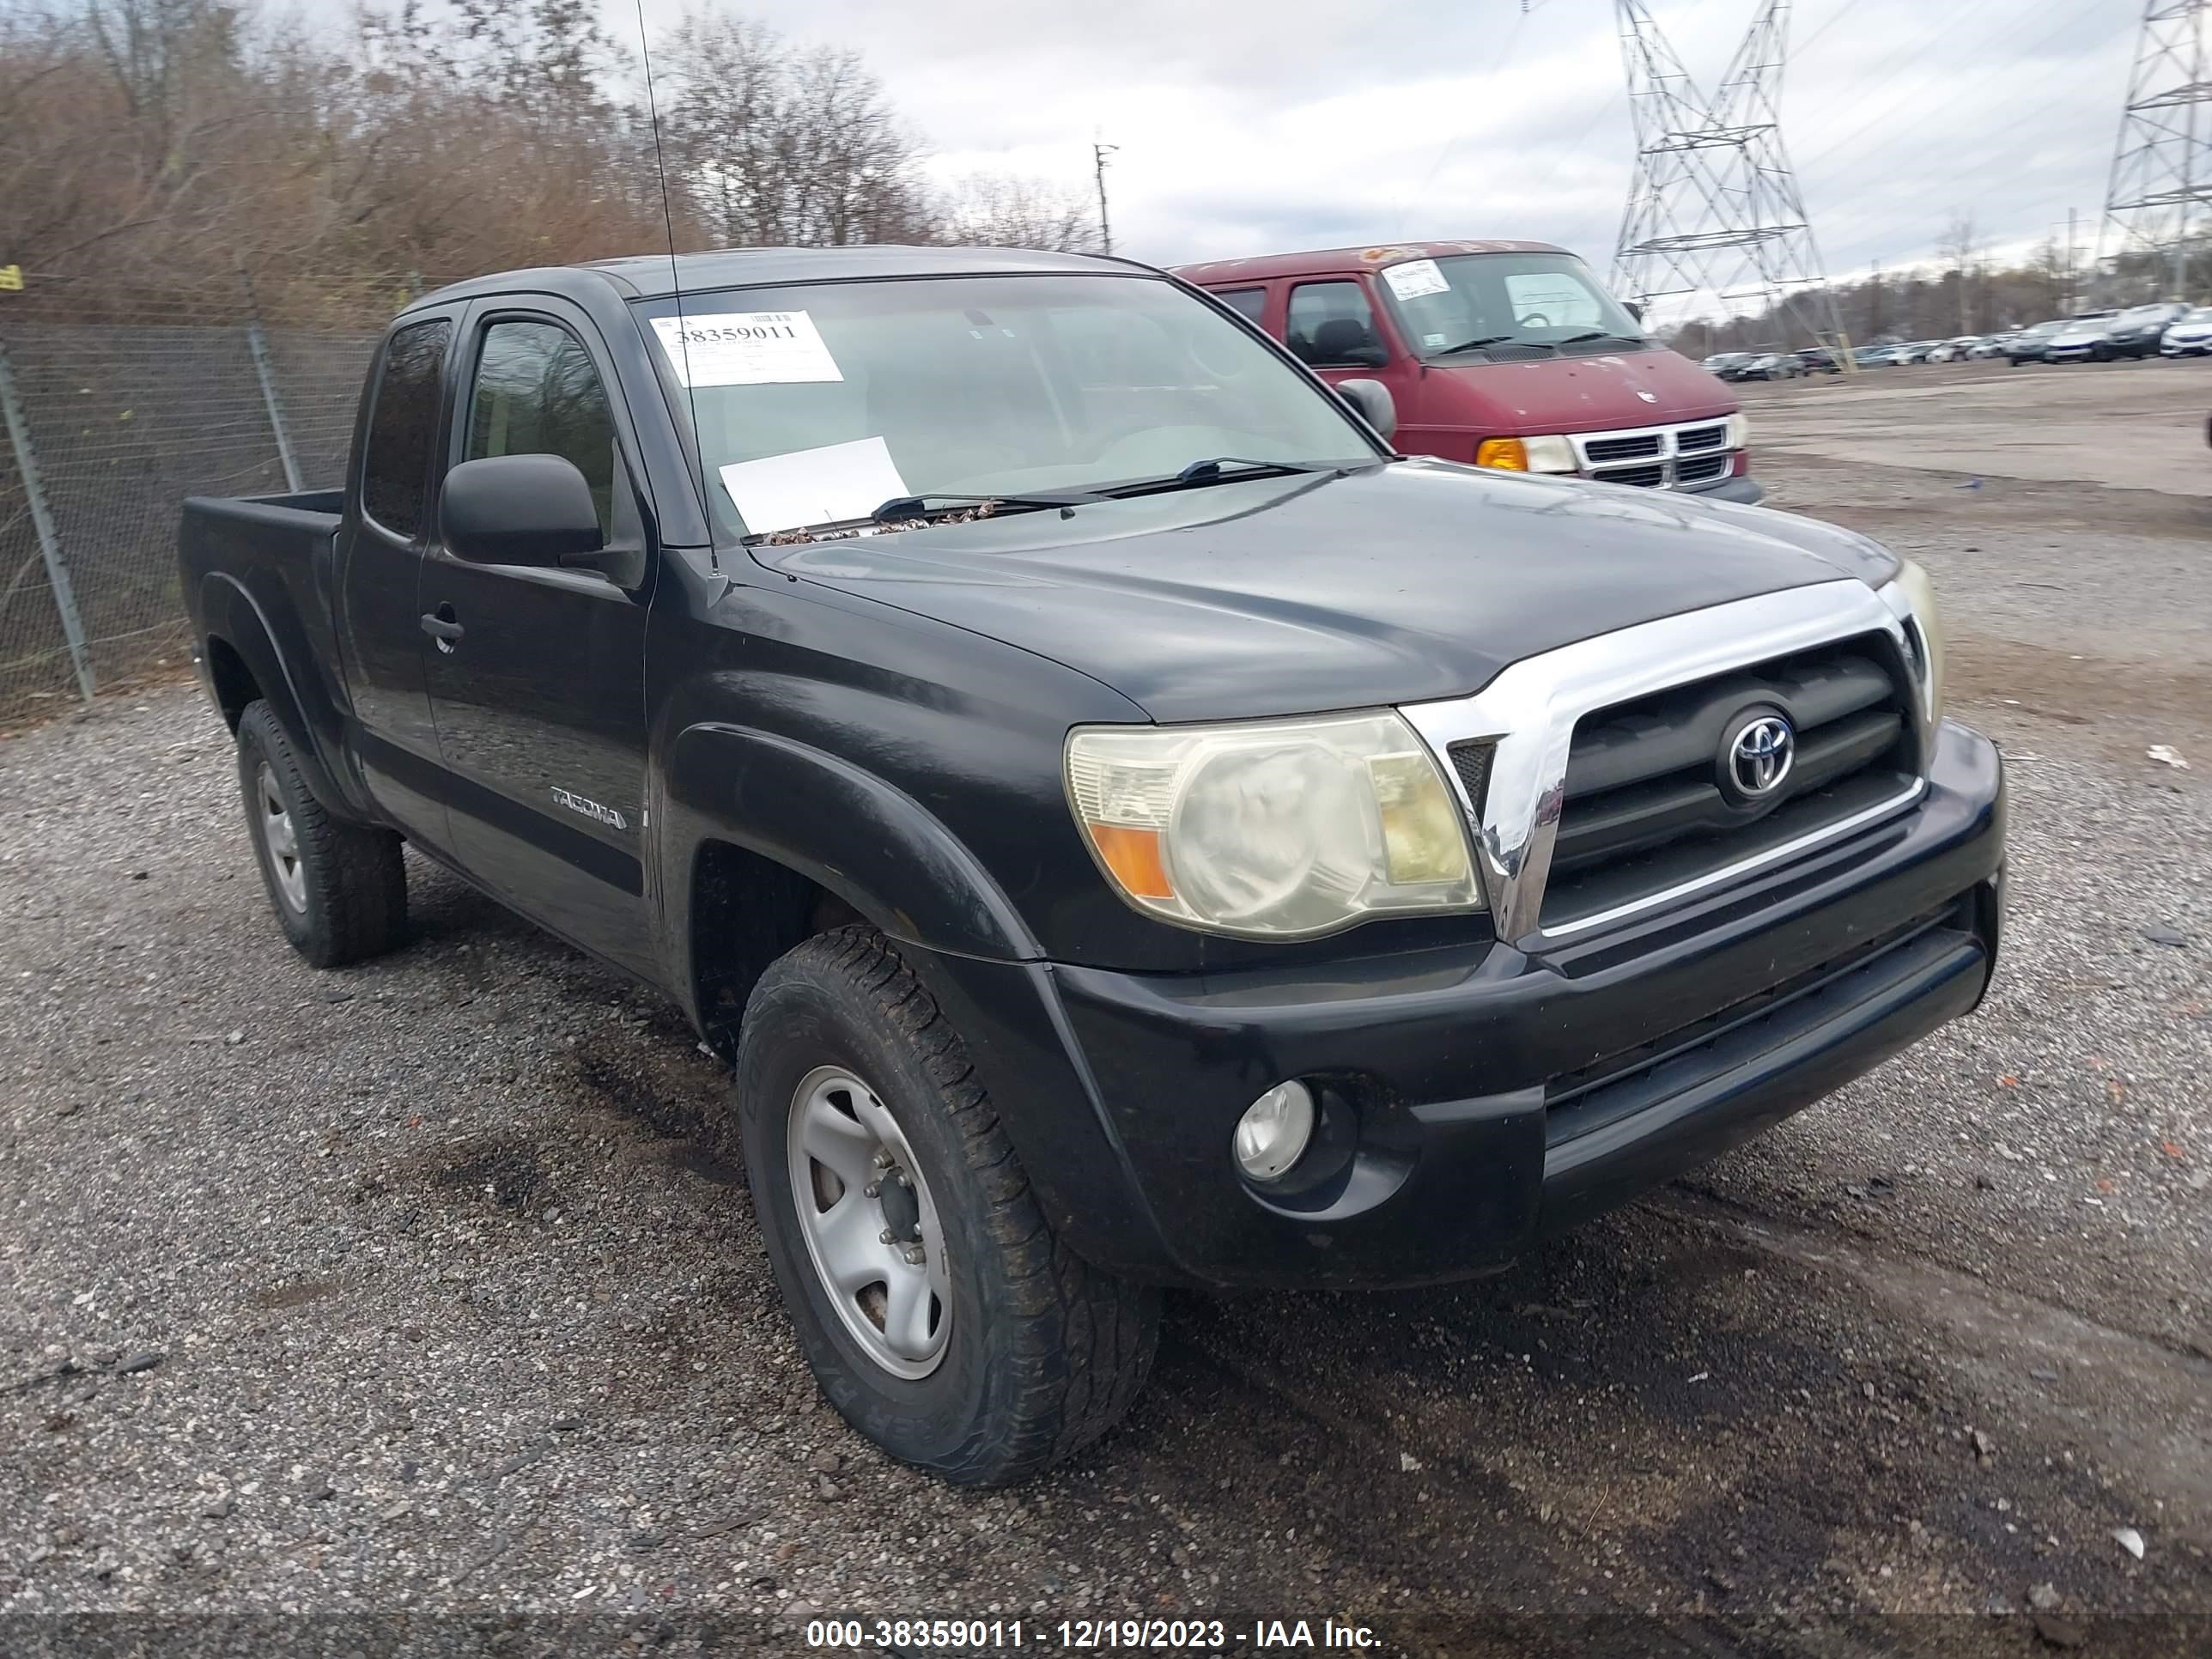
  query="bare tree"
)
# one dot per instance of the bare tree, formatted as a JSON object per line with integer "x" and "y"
{"x": 1001, "y": 211}
{"x": 775, "y": 144}
{"x": 1957, "y": 252}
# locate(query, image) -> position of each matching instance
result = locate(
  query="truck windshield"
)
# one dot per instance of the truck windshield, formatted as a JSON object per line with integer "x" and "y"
{"x": 817, "y": 403}
{"x": 1482, "y": 301}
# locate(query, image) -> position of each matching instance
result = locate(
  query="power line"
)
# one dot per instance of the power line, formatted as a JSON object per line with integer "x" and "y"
{"x": 1452, "y": 143}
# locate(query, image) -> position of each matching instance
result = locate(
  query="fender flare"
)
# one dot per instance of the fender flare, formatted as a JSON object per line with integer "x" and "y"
{"x": 901, "y": 868}
{"x": 872, "y": 845}
{"x": 232, "y": 615}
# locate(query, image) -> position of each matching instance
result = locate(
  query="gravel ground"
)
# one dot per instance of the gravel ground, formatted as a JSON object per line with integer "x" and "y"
{"x": 417, "y": 1307}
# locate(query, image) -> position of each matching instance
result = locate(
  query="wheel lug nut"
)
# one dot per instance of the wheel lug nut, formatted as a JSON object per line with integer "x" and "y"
{"x": 885, "y": 1236}
{"x": 873, "y": 1188}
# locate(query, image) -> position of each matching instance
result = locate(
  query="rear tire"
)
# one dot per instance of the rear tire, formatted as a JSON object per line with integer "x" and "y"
{"x": 1038, "y": 1353}
{"x": 339, "y": 889}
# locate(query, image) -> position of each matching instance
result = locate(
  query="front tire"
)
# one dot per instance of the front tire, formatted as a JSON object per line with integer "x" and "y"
{"x": 940, "y": 1315}
{"x": 339, "y": 889}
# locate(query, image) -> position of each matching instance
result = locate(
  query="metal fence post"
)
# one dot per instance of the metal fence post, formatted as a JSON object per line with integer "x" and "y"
{"x": 259, "y": 347}
{"x": 42, "y": 520}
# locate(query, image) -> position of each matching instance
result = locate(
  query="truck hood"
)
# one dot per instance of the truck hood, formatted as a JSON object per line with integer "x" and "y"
{"x": 1589, "y": 394}
{"x": 1398, "y": 583}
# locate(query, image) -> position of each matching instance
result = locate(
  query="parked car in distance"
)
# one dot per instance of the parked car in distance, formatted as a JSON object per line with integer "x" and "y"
{"x": 1771, "y": 365}
{"x": 1106, "y": 861}
{"x": 1505, "y": 354}
{"x": 2081, "y": 339}
{"x": 1727, "y": 364}
{"x": 1818, "y": 360}
{"x": 1990, "y": 346}
{"x": 1913, "y": 351}
{"x": 2139, "y": 331}
{"x": 1953, "y": 351}
{"x": 2189, "y": 334}
{"x": 1871, "y": 357}
{"x": 2028, "y": 346}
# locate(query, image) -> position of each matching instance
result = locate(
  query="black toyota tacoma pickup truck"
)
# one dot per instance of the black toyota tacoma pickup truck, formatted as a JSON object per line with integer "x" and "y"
{"x": 1126, "y": 827}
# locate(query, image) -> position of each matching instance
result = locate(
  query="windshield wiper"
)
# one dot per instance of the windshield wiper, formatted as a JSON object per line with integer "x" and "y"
{"x": 1211, "y": 468}
{"x": 1210, "y": 471}
{"x": 1602, "y": 334}
{"x": 913, "y": 512}
{"x": 902, "y": 508}
{"x": 1469, "y": 345}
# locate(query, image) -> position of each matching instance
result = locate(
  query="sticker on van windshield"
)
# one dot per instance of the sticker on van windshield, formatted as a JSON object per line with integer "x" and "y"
{"x": 745, "y": 347}
{"x": 1415, "y": 278}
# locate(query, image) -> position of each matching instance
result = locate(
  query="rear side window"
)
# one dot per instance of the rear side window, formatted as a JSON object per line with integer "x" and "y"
{"x": 1331, "y": 326}
{"x": 536, "y": 393}
{"x": 403, "y": 427}
{"x": 1246, "y": 301}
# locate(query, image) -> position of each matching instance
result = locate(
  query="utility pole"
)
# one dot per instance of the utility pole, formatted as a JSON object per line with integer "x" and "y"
{"x": 1873, "y": 304}
{"x": 2161, "y": 179}
{"x": 1098, "y": 155}
{"x": 2074, "y": 301}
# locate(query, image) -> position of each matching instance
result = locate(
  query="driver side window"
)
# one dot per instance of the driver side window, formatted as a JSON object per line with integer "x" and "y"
{"x": 536, "y": 393}
{"x": 1331, "y": 326}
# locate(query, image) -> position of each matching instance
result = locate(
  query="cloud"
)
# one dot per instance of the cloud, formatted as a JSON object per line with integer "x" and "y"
{"x": 1250, "y": 126}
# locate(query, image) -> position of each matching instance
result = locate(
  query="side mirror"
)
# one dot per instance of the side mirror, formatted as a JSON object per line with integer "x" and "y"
{"x": 1371, "y": 401}
{"x": 519, "y": 509}
{"x": 1634, "y": 308}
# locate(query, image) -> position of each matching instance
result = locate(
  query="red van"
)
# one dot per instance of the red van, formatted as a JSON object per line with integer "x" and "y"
{"x": 1504, "y": 354}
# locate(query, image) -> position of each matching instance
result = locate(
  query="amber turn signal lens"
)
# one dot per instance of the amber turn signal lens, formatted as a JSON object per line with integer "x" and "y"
{"x": 1509, "y": 453}
{"x": 1134, "y": 856}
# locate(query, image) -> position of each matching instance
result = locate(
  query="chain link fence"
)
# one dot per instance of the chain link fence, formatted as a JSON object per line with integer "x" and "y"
{"x": 118, "y": 405}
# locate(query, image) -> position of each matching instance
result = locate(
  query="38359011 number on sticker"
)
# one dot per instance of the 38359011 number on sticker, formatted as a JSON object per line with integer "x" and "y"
{"x": 745, "y": 347}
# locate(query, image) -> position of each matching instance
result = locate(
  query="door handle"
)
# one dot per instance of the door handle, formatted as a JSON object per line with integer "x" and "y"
{"x": 440, "y": 625}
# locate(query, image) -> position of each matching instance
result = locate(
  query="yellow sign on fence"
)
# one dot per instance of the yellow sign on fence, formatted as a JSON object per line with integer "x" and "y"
{"x": 11, "y": 279}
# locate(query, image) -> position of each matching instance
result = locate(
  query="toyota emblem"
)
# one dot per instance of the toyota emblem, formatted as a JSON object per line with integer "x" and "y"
{"x": 1758, "y": 755}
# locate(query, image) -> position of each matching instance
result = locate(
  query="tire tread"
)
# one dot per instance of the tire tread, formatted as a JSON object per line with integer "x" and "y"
{"x": 1085, "y": 1340}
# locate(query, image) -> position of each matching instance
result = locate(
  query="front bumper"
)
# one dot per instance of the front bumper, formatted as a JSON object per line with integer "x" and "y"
{"x": 1477, "y": 1098}
{"x": 1747, "y": 491}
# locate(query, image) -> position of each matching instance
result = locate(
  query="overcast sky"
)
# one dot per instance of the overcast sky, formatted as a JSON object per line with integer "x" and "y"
{"x": 1250, "y": 126}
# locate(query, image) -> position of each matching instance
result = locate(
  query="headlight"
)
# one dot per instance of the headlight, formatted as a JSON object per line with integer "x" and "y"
{"x": 1271, "y": 828}
{"x": 1912, "y": 596}
{"x": 1548, "y": 454}
{"x": 1739, "y": 431}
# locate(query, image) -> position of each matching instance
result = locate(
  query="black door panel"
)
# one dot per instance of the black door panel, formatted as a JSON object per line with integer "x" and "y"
{"x": 537, "y": 674}
{"x": 382, "y": 649}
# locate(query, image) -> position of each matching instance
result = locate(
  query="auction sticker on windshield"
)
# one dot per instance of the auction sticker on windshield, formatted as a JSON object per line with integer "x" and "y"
{"x": 1415, "y": 278}
{"x": 745, "y": 347}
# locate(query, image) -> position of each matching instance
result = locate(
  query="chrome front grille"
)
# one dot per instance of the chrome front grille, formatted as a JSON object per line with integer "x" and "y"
{"x": 1650, "y": 802}
{"x": 1655, "y": 457}
{"x": 1587, "y": 774}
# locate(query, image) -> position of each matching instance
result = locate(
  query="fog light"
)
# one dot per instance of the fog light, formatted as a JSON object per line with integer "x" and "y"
{"x": 1273, "y": 1132}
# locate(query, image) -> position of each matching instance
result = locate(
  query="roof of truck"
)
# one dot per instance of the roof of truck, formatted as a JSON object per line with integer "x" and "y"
{"x": 656, "y": 275}
{"x": 1330, "y": 261}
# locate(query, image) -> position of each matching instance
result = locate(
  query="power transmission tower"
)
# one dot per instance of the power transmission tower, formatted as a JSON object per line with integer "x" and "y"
{"x": 1714, "y": 209}
{"x": 2162, "y": 188}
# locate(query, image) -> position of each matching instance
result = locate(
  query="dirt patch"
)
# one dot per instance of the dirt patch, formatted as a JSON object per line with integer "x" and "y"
{"x": 506, "y": 1173}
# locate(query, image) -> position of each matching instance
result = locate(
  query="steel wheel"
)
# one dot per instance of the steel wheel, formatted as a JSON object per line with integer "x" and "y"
{"x": 283, "y": 841}
{"x": 871, "y": 1226}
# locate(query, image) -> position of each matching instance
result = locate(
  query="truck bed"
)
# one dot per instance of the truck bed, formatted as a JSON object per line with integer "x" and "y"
{"x": 278, "y": 555}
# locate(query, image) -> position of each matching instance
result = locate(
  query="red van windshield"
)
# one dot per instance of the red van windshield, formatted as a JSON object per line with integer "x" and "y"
{"x": 1470, "y": 302}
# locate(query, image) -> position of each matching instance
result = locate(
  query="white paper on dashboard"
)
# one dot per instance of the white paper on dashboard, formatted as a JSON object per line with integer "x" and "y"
{"x": 814, "y": 486}
{"x": 1415, "y": 278}
{"x": 745, "y": 347}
